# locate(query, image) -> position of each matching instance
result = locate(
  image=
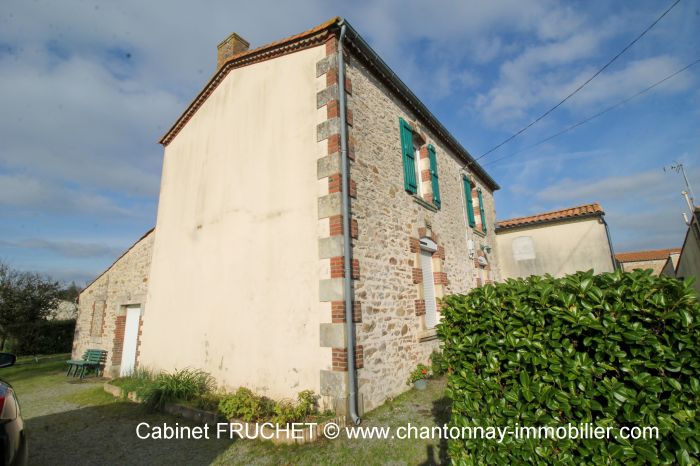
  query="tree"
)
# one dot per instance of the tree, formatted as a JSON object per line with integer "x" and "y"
{"x": 25, "y": 298}
{"x": 70, "y": 292}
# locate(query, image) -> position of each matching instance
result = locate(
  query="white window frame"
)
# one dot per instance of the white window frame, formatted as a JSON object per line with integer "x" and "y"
{"x": 431, "y": 317}
{"x": 419, "y": 175}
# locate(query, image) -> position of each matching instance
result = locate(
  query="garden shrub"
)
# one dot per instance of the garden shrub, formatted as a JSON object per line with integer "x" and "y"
{"x": 42, "y": 337}
{"x": 287, "y": 411}
{"x": 185, "y": 385}
{"x": 437, "y": 363}
{"x": 616, "y": 349}
{"x": 245, "y": 405}
{"x": 140, "y": 381}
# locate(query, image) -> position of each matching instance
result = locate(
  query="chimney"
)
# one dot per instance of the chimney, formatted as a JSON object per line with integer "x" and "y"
{"x": 232, "y": 45}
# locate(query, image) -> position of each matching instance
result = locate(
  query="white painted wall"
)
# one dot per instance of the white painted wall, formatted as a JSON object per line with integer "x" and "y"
{"x": 234, "y": 279}
{"x": 557, "y": 249}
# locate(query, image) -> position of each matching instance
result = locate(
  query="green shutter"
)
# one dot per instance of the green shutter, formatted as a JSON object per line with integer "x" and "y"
{"x": 434, "y": 175}
{"x": 409, "y": 157}
{"x": 470, "y": 203}
{"x": 481, "y": 211}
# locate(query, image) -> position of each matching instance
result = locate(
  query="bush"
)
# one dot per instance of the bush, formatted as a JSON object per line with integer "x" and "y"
{"x": 245, "y": 405}
{"x": 287, "y": 411}
{"x": 182, "y": 385}
{"x": 437, "y": 363}
{"x": 140, "y": 381}
{"x": 42, "y": 337}
{"x": 617, "y": 349}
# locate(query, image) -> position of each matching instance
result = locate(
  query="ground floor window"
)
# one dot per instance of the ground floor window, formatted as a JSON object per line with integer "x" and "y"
{"x": 427, "y": 249}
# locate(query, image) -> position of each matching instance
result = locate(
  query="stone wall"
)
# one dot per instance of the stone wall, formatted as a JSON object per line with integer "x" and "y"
{"x": 392, "y": 332}
{"x": 656, "y": 265}
{"x": 101, "y": 310}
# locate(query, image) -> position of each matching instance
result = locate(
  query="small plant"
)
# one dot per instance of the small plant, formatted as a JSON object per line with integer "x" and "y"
{"x": 245, "y": 405}
{"x": 140, "y": 381}
{"x": 287, "y": 411}
{"x": 185, "y": 385}
{"x": 421, "y": 372}
{"x": 438, "y": 363}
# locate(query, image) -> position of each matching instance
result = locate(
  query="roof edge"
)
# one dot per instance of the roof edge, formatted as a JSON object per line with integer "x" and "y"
{"x": 267, "y": 51}
{"x": 647, "y": 255}
{"x": 314, "y": 37}
{"x": 594, "y": 210}
{"x": 376, "y": 62}
{"x": 117, "y": 260}
{"x": 551, "y": 220}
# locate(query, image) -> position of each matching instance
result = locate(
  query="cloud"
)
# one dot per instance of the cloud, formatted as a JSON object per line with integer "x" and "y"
{"x": 30, "y": 193}
{"x": 609, "y": 188}
{"x": 94, "y": 127}
{"x": 570, "y": 51}
{"x": 71, "y": 249}
{"x": 88, "y": 87}
{"x": 643, "y": 209}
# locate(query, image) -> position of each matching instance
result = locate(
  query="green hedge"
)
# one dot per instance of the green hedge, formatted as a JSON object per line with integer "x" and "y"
{"x": 43, "y": 337}
{"x": 616, "y": 349}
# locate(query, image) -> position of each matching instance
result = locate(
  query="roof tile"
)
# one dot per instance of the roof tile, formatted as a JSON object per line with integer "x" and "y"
{"x": 637, "y": 256}
{"x": 556, "y": 215}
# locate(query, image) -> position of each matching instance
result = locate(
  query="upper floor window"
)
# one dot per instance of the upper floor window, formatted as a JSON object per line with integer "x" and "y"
{"x": 472, "y": 195}
{"x": 420, "y": 166}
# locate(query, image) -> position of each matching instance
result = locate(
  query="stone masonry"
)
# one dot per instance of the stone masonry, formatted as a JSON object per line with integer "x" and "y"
{"x": 102, "y": 304}
{"x": 387, "y": 225}
{"x": 390, "y": 221}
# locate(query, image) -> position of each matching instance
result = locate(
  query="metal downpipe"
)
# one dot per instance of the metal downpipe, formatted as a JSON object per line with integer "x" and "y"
{"x": 347, "y": 238}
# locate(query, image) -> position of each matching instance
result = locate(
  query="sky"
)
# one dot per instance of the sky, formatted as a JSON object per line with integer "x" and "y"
{"x": 88, "y": 87}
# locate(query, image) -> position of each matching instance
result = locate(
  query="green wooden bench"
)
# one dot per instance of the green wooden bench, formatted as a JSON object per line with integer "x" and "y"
{"x": 93, "y": 359}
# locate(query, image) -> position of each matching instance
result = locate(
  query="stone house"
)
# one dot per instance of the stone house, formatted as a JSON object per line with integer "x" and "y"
{"x": 254, "y": 263}
{"x": 557, "y": 243}
{"x": 655, "y": 259}
{"x": 103, "y": 306}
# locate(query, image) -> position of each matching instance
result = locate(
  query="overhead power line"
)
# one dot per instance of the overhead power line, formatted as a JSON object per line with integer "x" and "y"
{"x": 602, "y": 112}
{"x": 521, "y": 131}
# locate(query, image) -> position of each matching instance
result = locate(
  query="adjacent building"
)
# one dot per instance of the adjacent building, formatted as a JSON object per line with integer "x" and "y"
{"x": 657, "y": 260}
{"x": 689, "y": 259}
{"x": 105, "y": 303}
{"x": 558, "y": 243}
{"x": 245, "y": 274}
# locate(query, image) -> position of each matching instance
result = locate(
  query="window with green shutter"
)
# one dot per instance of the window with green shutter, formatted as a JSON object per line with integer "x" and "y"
{"x": 434, "y": 175}
{"x": 470, "y": 203}
{"x": 481, "y": 211}
{"x": 409, "y": 157}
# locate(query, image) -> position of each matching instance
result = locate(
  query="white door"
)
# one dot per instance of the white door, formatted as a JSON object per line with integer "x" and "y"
{"x": 131, "y": 334}
{"x": 426, "y": 264}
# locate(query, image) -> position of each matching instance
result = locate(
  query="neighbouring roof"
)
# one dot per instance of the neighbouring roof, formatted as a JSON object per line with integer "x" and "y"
{"x": 314, "y": 37}
{"x": 578, "y": 212}
{"x": 638, "y": 256}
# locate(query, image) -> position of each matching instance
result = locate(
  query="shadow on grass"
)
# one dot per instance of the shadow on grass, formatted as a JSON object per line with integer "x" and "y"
{"x": 107, "y": 435}
{"x": 441, "y": 413}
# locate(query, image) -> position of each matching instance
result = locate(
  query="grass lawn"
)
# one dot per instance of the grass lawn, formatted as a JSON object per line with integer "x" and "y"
{"x": 75, "y": 422}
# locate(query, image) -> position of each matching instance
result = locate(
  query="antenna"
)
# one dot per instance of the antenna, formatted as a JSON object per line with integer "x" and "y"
{"x": 688, "y": 193}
